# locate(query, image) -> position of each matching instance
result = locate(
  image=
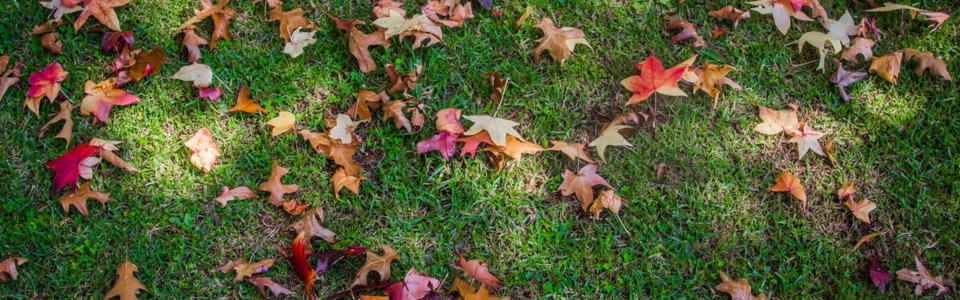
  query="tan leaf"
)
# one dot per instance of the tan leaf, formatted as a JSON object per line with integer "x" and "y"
{"x": 290, "y": 21}
{"x": 8, "y": 268}
{"x": 380, "y": 264}
{"x": 862, "y": 46}
{"x": 394, "y": 110}
{"x": 478, "y": 270}
{"x": 64, "y": 115}
{"x": 115, "y": 160}
{"x": 192, "y": 42}
{"x": 777, "y": 121}
{"x": 79, "y": 198}
{"x": 559, "y": 42}
{"x": 497, "y": 128}
{"x": 928, "y": 62}
{"x": 887, "y": 66}
{"x": 341, "y": 180}
{"x": 830, "y": 150}
{"x": 937, "y": 17}
{"x": 786, "y": 182}
{"x": 606, "y": 200}
{"x": 237, "y": 193}
{"x": 310, "y": 227}
{"x": 245, "y": 270}
{"x": 298, "y": 40}
{"x": 574, "y": 150}
{"x": 524, "y": 16}
{"x": 846, "y": 191}
{"x": 275, "y": 187}
{"x": 205, "y": 151}
{"x": 922, "y": 278}
{"x": 861, "y": 209}
{"x": 201, "y": 75}
{"x": 125, "y": 285}
{"x": 820, "y": 40}
{"x": 282, "y": 123}
{"x": 514, "y": 148}
{"x": 610, "y": 137}
{"x": 581, "y": 184}
{"x": 738, "y": 290}
{"x": 806, "y": 139}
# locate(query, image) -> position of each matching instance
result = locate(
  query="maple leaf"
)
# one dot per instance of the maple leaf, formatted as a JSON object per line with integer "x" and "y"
{"x": 275, "y": 187}
{"x": 402, "y": 83}
{"x": 781, "y": 10}
{"x": 712, "y": 78}
{"x": 738, "y": 290}
{"x": 717, "y": 32}
{"x": 299, "y": 262}
{"x": 60, "y": 8}
{"x": 44, "y": 84}
{"x": 237, "y": 193}
{"x": 861, "y": 209}
{"x": 413, "y": 287}
{"x": 846, "y": 191}
{"x": 458, "y": 12}
{"x": 106, "y": 152}
{"x": 384, "y": 7}
{"x": 922, "y": 278}
{"x": 514, "y": 148}
{"x": 125, "y": 285}
{"x": 310, "y": 227}
{"x": 290, "y": 21}
{"x": 497, "y": 84}
{"x": 866, "y": 27}
{"x": 221, "y": 25}
{"x": 201, "y": 75}
{"x": 8, "y": 76}
{"x": 245, "y": 103}
{"x": 497, "y": 128}
{"x": 394, "y": 110}
{"x": 582, "y": 184}
{"x": 777, "y": 121}
{"x": 366, "y": 100}
{"x": 610, "y": 137}
{"x": 862, "y": 46}
{"x": 866, "y": 239}
{"x": 478, "y": 270}
{"x": 606, "y": 200}
{"x": 887, "y": 66}
{"x": 103, "y": 96}
{"x": 559, "y": 42}
{"x": 8, "y": 268}
{"x": 291, "y": 207}
{"x": 343, "y": 155}
{"x": 260, "y": 282}
{"x": 729, "y": 13}
{"x": 375, "y": 262}
{"x": 245, "y": 269}
{"x": 299, "y": 40}
{"x": 282, "y": 123}
{"x": 205, "y": 151}
{"x": 64, "y": 115}
{"x": 878, "y": 275}
{"x": 79, "y": 198}
{"x": 343, "y": 130}
{"x": 653, "y": 78}
{"x": 806, "y": 139}
{"x": 928, "y": 62}
{"x": 358, "y": 42}
{"x": 116, "y": 41}
{"x": 341, "y": 180}
{"x": 819, "y": 40}
{"x": 573, "y": 150}
{"x": 49, "y": 39}
{"x": 687, "y": 32}
{"x": 448, "y": 119}
{"x": 937, "y": 17}
{"x": 67, "y": 167}
{"x": 786, "y": 182}
{"x": 144, "y": 63}
{"x": 326, "y": 259}
{"x": 444, "y": 142}
{"x": 192, "y": 42}
{"x": 472, "y": 142}
{"x": 840, "y": 28}
{"x": 103, "y": 11}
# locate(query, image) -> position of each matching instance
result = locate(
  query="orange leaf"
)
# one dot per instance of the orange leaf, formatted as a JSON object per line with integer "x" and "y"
{"x": 786, "y": 182}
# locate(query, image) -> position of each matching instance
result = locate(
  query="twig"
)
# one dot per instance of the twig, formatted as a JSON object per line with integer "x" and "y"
{"x": 624, "y": 226}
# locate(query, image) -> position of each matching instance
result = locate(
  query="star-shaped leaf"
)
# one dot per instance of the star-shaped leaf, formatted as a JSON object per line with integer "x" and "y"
{"x": 653, "y": 78}
{"x": 290, "y": 21}
{"x": 282, "y": 123}
{"x": 559, "y": 42}
{"x": 67, "y": 167}
{"x": 245, "y": 103}
{"x": 777, "y": 121}
{"x": 610, "y": 137}
{"x": 341, "y": 180}
{"x": 786, "y": 182}
{"x": 806, "y": 139}
{"x": 101, "y": 97}
{"x": 927, "y": 62}
{"x": 44, "y": 84}
{"x": 497, "y": 128}
{"x": 310, "y": 227}
{"x": 878, "y": 275}
{"x": 102, "y": 10}
{"x": 574, "y": 150}
{"x": 887, "y": 66}
{"x": 79, "y": 198}
{"x": 581, "y": 184}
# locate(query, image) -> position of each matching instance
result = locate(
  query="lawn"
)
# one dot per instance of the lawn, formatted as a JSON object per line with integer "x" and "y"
{"x": 711, "y": 211}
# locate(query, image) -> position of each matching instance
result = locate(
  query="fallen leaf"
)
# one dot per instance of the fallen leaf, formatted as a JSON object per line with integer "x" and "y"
{"x": 221, "y": 25}
{"x": 659, "y": 168}
{"x": 192, "y": 42}
{"x": 846, "y": 191}
{"x": 717, "y": 32}
{"x": 115, "y": 42}
{"x": 478, "y": 270}
{"x": 444, "y": 142}
{"x": 730, "y": 13}
{"x": 282, "y": 123}
{"x": 210, "y": 93}
{"x": 64, "y": 115}
{"x": 866, "y": 27}
{"x": 298, "y": 40}
{"x": 862, "y": 46}
{"x": 237, "y": 193}
{"x": 781, "y": 10}
{"x": 786, "y": 182}
{"x": 67, "y": 167}
{"x": 384, "y": 7}
{"x": 245, "y": 103}
{"x": 378, "y": 263}
{"x": 299, "y": 249}
{"x": 819, "y": 40}
{"x": 928, "y": 62}
{"x": 276, "y": 188}
{"x": 687, "y": 32}
{"x": 60, "y": 8}
{"x": 341, "y": 180}
{"x": 144, "y": 63}
{"x": 937, "y": 17}
{"x": 79, "y": 198}
{"x": 358, "y": 42}
{"x": 843, "y": 78}
{"x": 610, "y": 137}
{"x": 472, "y": 142}
{"x": 290, "y": 21}
{"x": 887, "y": 66}
{"x": 245, "y": 270}
{"x": 103, "y": 11}
{"x": 713, "y": 78}
{"x": 205, "y": 151}
{"x": 525, "y": 15}
{"x": 922, "y": 278}
{"x": 606, "y": 200}
{"x": 44, "y": 84}
{"x": 49, "y": 39}
{"x": 125, "y": 285}
{"x": 861, "y": 209}
{"x": 653, "y": 78}
{"x": 497, "y": 128}
{"x": 343, "y": 155}
{"x": 582, "y": 184}
{"x": 8, "y": 76}
{"x": 413, "y": 287}
{"x": 343, "y": 130}
{"x": 878, "y": 275}
{"x": 310, "y": 227}
{"x": 201, "y": 75}
{"x": 292, "y": 208}
{"x": 497, "y": 84}
{"x": 394, "y": 110}
{"x": 402, "y": 83}
{"x": 777, "y": 121}
{"x": 866, "y": 239}
{"x": 514, "y": 148}
{"x": 260, "y": 282}
{"x": 574, "y": 150}
{"x": 839, "y": 29}
{"x": 8, "y": 268}
{"x": 889, "y": 6}
{"x": 830, "y": 150}
{"x": 559, "y": 42}
{"x": 806, "y": 139}
{"x": 101, "y": 97}
{"x": 738, "y": 290}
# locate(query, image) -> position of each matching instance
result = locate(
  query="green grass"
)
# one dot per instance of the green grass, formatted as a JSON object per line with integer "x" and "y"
{"x": 712, "y": 211}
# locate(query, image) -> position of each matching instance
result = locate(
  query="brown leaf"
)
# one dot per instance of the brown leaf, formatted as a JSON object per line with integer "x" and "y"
{"x": 221, "y": 25}
{"x": 846, "y": 191}
{"x": 276, "y": 188}
{"x": 282, "y": 123}
{"x": 730, "y": 13}
{"x": 777, "y": 121}
{"x": 115, "y": 160}
{"x": 861, "y": 209}
{"x": 806, "y": 139}
{"x": 238, "y": 193}
{"x": 144, "y": 63}
{"x": 687, "y": 32}
{"x": 738, "y": 290}
{"x": 866, "y": 239}
{"x": 79, "y": 198}
{"x": 515, "y": 148}
{"x": 8, "y": 76}
{"x": 342, "y": 155}
{"x": 559, "y": 42}
{"x": 103, "y": 11}
{"x": 125, "y": 285}
{"x": 712, "y": 78}
{"x": 830, "y": 150}
{"x": 8, "y": 268}
{"x": 310, "y": 227}
{"x": 574, "y": 150}
{"x": 293, "y": 208}
{"x": 262, "y": 282}
{"x": 862, "y": 46}
{"x": 524, "y": 16}
{"x": 290, "y": 21}
{"x": 394, "y": 110}
{"x": 659, "y": 169}
{"x": 375, "y": 262}
{"x": 51, "y": 42}
{"x": 477, "y": 270}
{"x": 245, "y": 103}
{"x": 358, "y": 42}
{"x": 928, "y": 62}
{"x": 205, "y": 151}
{"x": 887, "y": 66}
{"x": 606, "y": 200}
{"x": 843, "y": 78}
{"x": 402, "y": 83}
{"x": 922, "y": 278}
{"x": 245, "y": 270}
{"x": 497, "y": 85}
{"x": 937, "y": 17}
{"x": 361, "y": 109}
{"x": 63, "y": 115}
{"x": 192, "y": 42}
{"x": 582, "y": 183}
{"x": 786, "y": 182}
{"x": 341, "y": 180}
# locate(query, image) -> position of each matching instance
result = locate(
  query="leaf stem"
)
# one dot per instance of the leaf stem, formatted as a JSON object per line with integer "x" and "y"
{"x": 503, "y": 94}
{"x": 655, "y": 110}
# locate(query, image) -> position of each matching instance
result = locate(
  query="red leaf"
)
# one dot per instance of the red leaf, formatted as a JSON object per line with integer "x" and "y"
{"x": 46, "y": 82}
{"x": 878, "y": 275}
{"x": 299, "y": 262}
{"x": 212, "y": 93}
{"x": 445, "y": 142}
{"x": 102, "y": 96}
{"x": 116, "y": 41}
{"x": 472, "y": 142}
{"x": 653, "y": 78}
{"x": 67, "y": 166}
{"x": 413, "y": 287}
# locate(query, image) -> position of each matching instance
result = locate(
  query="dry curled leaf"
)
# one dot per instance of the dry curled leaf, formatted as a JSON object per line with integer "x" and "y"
{"x": 686, "y": 32}
{"x": 606, "y": 200}
{"x": 341, "y": 180}
{"x": 926, "y": 61}
{"x": 730, "y": 13}
{"x": 887, "y": 66}
{"x": 237, "y": 193}
{"x": 205, "y": 151}
{"x": 478, "y": 270}
{"x": 260, "y": 282}
{"x": 922, "y": 278}
{"x": 8, "y": 268}
{"x": 866, "y": 239}
{"x": 64, "y": 115}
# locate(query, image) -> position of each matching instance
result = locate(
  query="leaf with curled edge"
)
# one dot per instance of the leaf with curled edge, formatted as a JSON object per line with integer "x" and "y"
{"x": 558, "y": 42}
{"x": 581, "y": 184}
